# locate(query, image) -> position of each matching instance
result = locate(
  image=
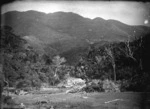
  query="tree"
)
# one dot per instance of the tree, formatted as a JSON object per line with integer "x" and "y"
{"x": 1, "y": 84}
{"x": 57, "y": 65}
{"x": 10, "y": 43}
{"x": 128, "y": 51}
{"x": 112, "y": 59}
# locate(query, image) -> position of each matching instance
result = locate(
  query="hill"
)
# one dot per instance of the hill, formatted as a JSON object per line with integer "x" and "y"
{"x": 64, "y": 32}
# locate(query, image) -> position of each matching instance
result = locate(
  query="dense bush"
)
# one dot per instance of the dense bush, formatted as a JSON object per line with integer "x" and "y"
{"x": 24, "y": 66}
{"x": 23, "y": 83}
{"x": 94, "y": 86}
{"x": 8, "y": 100}
{"x": 102, "y": 86}
{"x": 110, "y": 86}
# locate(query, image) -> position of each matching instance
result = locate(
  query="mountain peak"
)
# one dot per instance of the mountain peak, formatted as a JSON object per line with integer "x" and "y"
{"x": 98, "y": 19}
{"x": 66, "y": 14}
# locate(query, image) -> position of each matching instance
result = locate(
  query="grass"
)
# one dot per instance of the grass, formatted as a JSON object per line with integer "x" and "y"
{"x": 123, "y": 100}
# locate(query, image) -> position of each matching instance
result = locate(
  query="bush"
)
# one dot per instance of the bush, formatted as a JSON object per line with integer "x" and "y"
{"x": 23, "y": 83}
{"x": 102, "y": 86}
{"x": 8, "y": 100}
{"x": 110, "y": 86}
{"x": 94, "y": 86}
{"x": 124, "y": 85}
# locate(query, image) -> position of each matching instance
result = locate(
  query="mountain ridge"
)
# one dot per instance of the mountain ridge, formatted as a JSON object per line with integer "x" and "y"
{"x": 65, "y": 31}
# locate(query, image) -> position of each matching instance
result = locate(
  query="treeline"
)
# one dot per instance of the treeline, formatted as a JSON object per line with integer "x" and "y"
{"x": 124, "y": 62}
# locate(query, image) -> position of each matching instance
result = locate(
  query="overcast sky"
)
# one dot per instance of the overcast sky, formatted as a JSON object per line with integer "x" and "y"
{"x": 132, "y": 13}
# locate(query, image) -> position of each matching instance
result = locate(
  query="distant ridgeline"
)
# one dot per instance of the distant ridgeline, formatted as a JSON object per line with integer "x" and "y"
{"x": 62, "y": 32}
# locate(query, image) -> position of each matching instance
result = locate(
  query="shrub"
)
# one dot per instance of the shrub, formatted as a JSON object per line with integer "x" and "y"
{"x": 94, "y": 85}
{"x": 23, "y": 83}
{"x": 110, "y": 86}
{"x": 8, "y": 100}
{"x": 106, "y": 85}
{"x": 124, "y": 85}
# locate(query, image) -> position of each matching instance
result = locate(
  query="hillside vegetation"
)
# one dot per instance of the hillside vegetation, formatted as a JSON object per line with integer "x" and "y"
{"x": 64, "y": 32}
{"x": 122, "y": 62}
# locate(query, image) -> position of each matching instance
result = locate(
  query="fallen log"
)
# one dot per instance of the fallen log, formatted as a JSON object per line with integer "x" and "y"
{"x": 113, "y": 101}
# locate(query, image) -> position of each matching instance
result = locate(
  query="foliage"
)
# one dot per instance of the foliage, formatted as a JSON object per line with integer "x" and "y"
{"x": 94, "y": 86}
{"x": 8, "y": 100}
{"x": 23, "y": 66}
{"x": 106, "y": 85}
{"x": 110, "y": 86}
{"x": 126, "y": 62}
{"x": 95, "y": 65}
{"x": 58, "y": 67}
{"x": 121, "y": 61}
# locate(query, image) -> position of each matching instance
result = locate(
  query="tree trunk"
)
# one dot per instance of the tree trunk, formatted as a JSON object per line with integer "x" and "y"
{"x": 1, "y": 98}
{"x": 114, "y": 71}
{"x": 1, "y": 86}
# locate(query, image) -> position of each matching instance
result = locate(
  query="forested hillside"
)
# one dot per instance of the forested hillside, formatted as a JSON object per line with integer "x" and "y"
{"x": 62, "y": 33}
{"x": 125, "y": 62}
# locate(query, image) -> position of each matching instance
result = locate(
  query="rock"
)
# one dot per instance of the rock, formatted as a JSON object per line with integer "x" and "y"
{"x": 21, "y": 92}
{"x": 71, "y": 82}
{"x": 42, "y": 102}
{"x": 22, "y": 105}
{"x": 85, "y": 97}
{"x": 74, "y": 84}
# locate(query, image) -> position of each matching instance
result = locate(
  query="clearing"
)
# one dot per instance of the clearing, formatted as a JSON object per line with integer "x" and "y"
{"x": 82, "y": 100}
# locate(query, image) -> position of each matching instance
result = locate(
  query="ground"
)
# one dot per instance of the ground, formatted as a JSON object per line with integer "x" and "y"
{"x": 82, "y": 100}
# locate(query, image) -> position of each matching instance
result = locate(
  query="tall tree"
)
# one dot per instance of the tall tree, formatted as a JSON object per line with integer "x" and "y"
{"x": 57, "y": 64}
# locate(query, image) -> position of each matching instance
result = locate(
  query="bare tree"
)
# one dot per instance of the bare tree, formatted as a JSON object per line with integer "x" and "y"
{"x": 128, "y": 51}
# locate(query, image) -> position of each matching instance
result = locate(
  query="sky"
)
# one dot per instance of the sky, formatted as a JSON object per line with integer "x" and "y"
{"x": 131, "y": 13}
